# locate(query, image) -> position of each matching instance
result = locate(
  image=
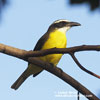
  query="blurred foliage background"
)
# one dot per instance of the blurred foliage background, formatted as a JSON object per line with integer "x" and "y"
{"x": 92, "y": 4}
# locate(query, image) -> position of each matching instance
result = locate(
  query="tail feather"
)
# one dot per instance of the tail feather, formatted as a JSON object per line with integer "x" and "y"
{"x": 31, "y": 69}
{"x": 20, "y": 80}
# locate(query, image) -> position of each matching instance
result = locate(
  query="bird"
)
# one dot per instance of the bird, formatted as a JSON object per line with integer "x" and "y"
{"x": 55, "y": 37}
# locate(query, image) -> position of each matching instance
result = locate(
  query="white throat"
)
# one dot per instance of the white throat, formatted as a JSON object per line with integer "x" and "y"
{"x": 64, "y": 29}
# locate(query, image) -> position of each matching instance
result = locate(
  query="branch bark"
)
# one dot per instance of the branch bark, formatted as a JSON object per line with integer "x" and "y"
{"x": 28, "y": 56}
{"x": 22, "y": 54}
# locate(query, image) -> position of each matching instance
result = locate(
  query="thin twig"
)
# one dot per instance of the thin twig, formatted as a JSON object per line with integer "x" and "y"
{"x": 80, "y": 66}
{"x": 78, "y": 95}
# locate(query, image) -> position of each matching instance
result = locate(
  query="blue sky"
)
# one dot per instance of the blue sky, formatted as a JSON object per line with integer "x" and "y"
{"x": 23, "y": 23}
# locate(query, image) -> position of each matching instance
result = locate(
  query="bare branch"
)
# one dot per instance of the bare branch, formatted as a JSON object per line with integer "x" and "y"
{"x": 65, "y": 77}
{"x": 63, "y": 50}
{"x": 12, "y": 51}
{"x": 54, "y": 70}
{"x": 22, "y": 54}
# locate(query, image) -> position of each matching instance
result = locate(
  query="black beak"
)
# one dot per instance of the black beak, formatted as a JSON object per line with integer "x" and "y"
{"x": 74, "y": 24}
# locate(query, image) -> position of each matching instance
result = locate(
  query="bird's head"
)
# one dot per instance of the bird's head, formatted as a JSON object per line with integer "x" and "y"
{"x": 62, "y": 25}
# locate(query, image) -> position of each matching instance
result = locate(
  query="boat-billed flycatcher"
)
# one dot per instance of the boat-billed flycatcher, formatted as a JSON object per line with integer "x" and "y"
{"x": 54, "y": 37}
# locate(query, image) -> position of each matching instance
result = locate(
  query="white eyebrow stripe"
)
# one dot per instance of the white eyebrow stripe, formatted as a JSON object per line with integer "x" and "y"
{"x": 57, "y": 21}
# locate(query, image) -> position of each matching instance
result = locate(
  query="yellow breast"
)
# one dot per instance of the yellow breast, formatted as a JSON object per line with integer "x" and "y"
{"x": 56, "y": 39}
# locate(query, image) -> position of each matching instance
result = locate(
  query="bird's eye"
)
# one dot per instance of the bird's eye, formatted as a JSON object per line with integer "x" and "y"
{"x": 60, "y": 24}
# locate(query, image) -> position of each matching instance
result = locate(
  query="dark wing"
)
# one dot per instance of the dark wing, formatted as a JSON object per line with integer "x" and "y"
{"x": 39, "y": 45}
{"x": 41, "y": 42}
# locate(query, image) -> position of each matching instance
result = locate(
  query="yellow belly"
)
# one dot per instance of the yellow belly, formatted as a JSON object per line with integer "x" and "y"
{"x": 56, "y": 39}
